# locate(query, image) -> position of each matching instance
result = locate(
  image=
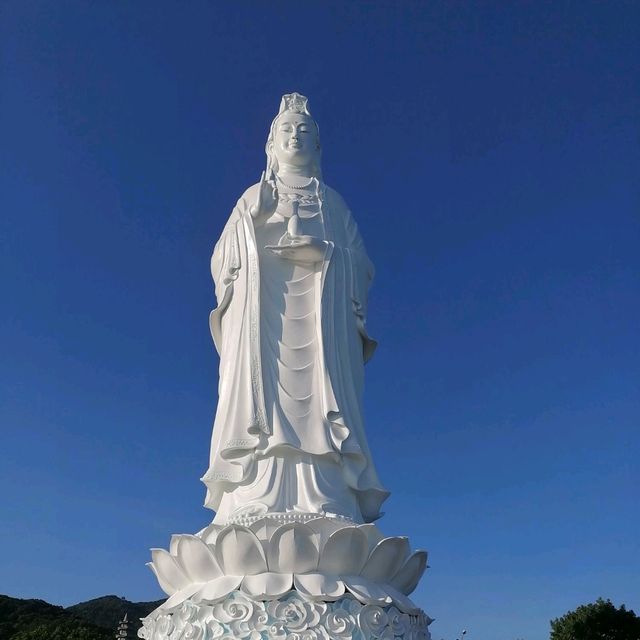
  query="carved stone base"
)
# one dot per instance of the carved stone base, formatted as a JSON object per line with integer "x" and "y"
{"x": 290, "y": 617}
{"x": 324, "y": 579}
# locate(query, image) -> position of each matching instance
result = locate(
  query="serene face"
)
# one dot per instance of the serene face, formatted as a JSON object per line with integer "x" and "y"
{"x": 295, "y": 140}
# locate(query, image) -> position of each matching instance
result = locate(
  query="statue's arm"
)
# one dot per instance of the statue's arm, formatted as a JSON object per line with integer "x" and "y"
{"x": 226, "y": 265}
{"x": 226, "y": 260}
{"x": 362, "y": 272}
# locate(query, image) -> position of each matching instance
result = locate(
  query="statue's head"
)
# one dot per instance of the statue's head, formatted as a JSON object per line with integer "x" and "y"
{"x": 294, "y": 137}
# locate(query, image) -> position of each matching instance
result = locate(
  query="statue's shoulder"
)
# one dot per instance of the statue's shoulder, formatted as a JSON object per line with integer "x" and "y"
{"x": 338, "y": 205}
{"x": 334, "y": 197}
{"x": 249, "y": 196}
{"x": 243, "y": 204}
{"x": 251, "y": 192}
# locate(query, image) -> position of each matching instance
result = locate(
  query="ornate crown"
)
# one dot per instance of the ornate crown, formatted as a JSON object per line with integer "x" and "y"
{"x": 294, "y": 102}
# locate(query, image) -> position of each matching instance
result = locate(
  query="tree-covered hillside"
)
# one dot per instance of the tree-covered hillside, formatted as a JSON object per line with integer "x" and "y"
{"x": 39, "y": 620}
{"x": 93, "y": 620}
{"x": 109, "y": 610}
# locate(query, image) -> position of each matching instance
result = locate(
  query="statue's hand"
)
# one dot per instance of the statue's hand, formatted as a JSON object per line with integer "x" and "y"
{"x": 267, "y": 200}
{"x": 301, "y": 249}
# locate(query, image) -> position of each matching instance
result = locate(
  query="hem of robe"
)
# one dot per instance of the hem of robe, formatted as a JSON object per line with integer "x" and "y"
{"x": 369, "y": 498}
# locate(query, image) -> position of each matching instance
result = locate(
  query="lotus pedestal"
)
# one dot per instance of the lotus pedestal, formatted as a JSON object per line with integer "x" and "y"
{"x": 324, "y": 578}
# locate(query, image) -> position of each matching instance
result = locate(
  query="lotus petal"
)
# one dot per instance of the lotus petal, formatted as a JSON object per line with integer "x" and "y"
{"x": 267, "y": 586}
{"x": 401, "y": 601}
{"x": 293, "y": 549}
{"x": 210, "y": 533}
{"x": 324, "y": 527}
{"x": 265, "y": 527}
{"x": 197, "y": 559}
{"x": 179, "y": 597}
{"x": 165, "y": 586}
{"x": 366, "y": 591}
{"x": 374, "y": 535}
{"x": 345, "y": 552}
{"x": 406, "y": 580}
{"x": 239, "y": 552}
{"x": 173, "y": 544}
{"x": 318, "y": 586}
{"x": 386, "y": 559}
{"x": 218, "y": 589}
{"x": 170, "y": 576}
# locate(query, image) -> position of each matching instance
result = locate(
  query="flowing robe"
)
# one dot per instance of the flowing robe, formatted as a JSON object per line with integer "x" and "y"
{"x": 330, "y": 457}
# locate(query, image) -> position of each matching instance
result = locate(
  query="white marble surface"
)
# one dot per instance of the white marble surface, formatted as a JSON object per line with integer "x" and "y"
{"x": 322, "y": 559}
{"x": 291, "y": 278}
{"x": 291, "y": 476}
{"x": 290, "y": 618}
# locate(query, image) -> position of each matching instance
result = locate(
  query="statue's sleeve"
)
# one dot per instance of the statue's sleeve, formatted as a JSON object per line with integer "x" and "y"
{"x": 362, "y": 272}
{"x": 226, "y": 263}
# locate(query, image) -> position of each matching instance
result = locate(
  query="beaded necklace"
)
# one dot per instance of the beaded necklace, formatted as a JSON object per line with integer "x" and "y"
{"x": 295, "y": 187}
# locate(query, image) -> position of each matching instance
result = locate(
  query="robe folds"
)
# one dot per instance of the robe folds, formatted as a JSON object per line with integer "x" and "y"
{"x": 243, "y": 433}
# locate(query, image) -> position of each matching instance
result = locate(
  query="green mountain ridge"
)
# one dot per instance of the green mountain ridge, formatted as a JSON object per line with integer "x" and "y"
{"x": 97, "y": 619}
{"x": 107, "y": 611}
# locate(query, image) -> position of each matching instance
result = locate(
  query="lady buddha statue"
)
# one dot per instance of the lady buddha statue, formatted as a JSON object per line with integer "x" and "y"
{"x": 291, "y": 278}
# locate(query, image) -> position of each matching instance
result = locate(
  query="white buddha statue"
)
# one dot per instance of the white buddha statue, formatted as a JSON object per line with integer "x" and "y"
{"x": 291, "y": 278}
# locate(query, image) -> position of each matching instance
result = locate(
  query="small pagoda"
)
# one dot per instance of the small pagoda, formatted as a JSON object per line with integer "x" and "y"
{"x": 125, "y": 629}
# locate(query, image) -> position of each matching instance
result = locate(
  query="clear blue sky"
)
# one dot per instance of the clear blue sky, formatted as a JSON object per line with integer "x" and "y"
{"x": 489, "y": 152}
